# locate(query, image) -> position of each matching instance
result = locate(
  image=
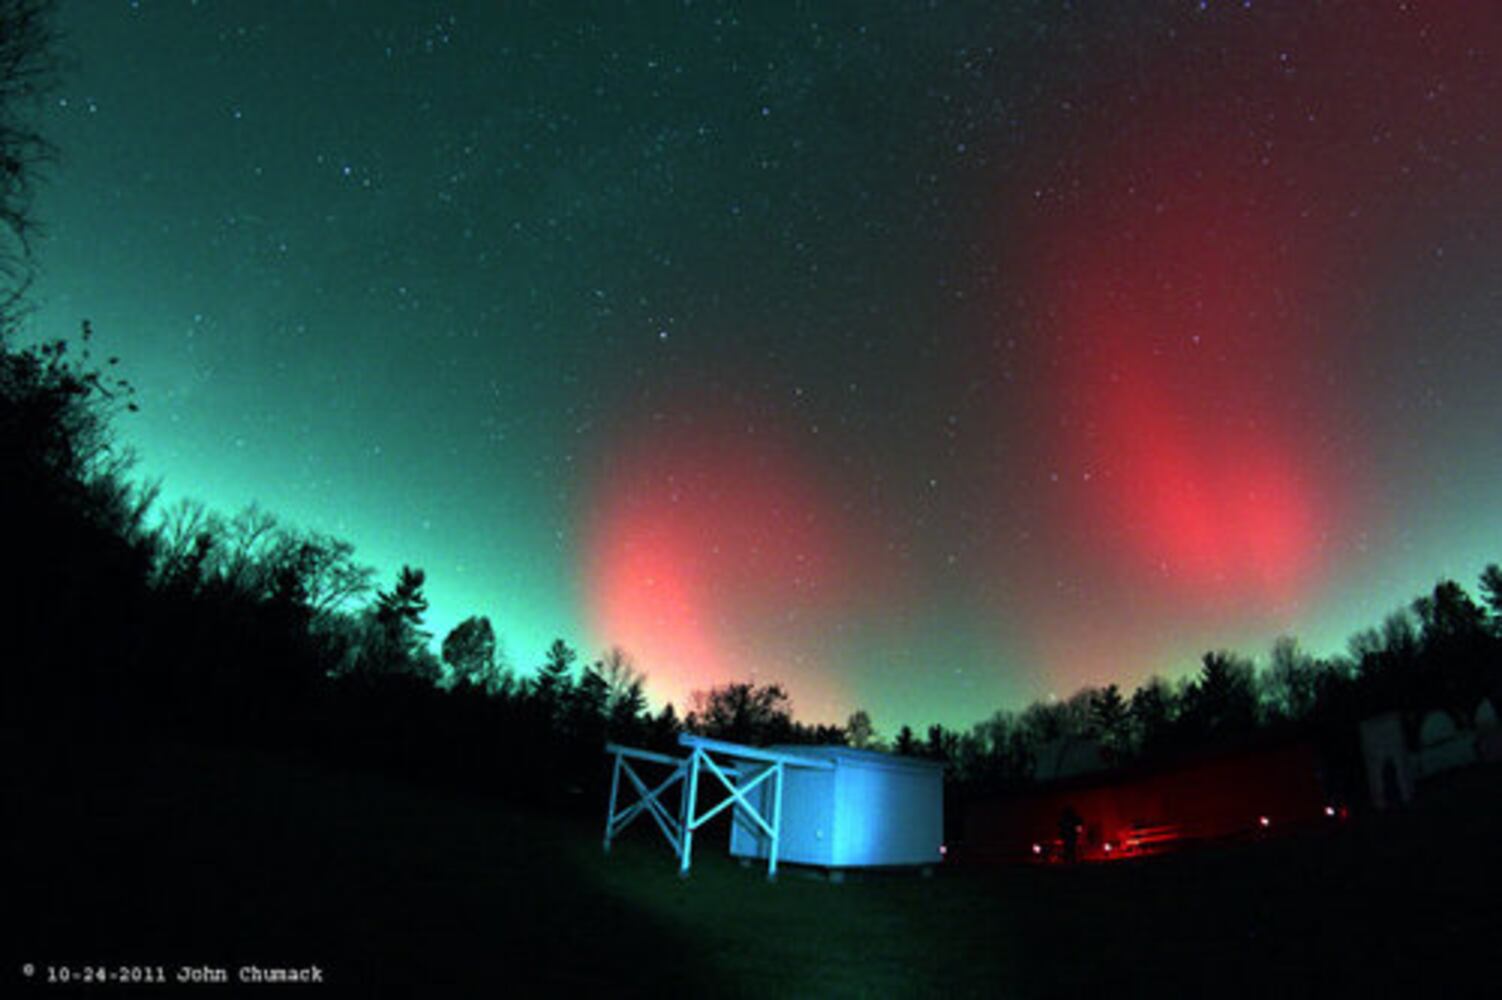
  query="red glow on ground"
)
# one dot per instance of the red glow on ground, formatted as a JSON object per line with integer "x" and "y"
{"x": 710, "y": 548}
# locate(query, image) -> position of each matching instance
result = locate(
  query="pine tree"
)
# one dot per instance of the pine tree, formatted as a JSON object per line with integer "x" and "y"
{"x": 554, "y": 682}
{"x": 398, "y": 633}
{"x": 586, "y": 708}
{"x": 1152, "y": 713}
{"x": 1109, "y": 716}
{"x": 1491, "y": 590}
{"x": 1222, "y": 698}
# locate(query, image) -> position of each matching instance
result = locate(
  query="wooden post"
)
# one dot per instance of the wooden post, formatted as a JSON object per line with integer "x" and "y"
{"x": 615, "y": 784}
{"x": 691, "y": 795}
{"x": 776, "y": 822}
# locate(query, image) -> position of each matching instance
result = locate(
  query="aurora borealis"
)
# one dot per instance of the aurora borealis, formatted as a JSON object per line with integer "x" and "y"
{"x": 927, "y": 357}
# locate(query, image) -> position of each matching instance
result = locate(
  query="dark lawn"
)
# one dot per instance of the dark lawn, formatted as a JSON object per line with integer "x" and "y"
{"x": 176, "y": 856}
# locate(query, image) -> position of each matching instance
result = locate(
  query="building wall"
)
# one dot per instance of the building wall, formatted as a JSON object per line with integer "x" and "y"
{"x": 869, "y": 810}
{"x": 1395, "y": 765}
{"x": 808, "y": 819}
{"x": 887, "y": 815}
{"x": 1204, "y": 797}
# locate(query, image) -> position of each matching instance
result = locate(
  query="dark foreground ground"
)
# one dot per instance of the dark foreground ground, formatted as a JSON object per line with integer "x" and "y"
{"x": 174, "y": 856}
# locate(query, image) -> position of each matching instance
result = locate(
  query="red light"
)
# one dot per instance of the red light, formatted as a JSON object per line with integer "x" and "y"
{"x": 1330, "y": 811}
{"x": 1264, "y": 821}
{"x": 1108, "y": 847}
{"x": 1037, "y": 848}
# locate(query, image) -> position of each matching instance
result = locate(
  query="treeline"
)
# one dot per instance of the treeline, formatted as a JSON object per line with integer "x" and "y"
{"x": 122, "y": 623}
{"x": 1441, "y": 651}
{"x": 247, "y": 629}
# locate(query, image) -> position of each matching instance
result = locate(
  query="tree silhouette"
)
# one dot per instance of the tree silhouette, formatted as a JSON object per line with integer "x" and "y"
{"x": 72, "y": 533}
{"x": 554, "y": 683}
{"x": 626, "y": 700}
{"x": 27, "y": 73}
{"x": 1047, "y": 721}
{"x": 1491, "y": 590}
{"x": 942, "y": 744}
{"x": 1222, "y": 698}
{"x": 626, "y": 711}
{"x": 398, "y": 640}
{"x": 469, "y": 652}
{"x": 584, "y": 715}
{"x": 1290, "y": 681}
{"x": 330, "y": 576}
{"x": 859, "y": 731}
{"x": 744, "y": 713}
{"x": 1449, "y": 615}
{"x": 183, "y": 539}
{"x": 1153, "y": 712}
{"x": 1457, "y": 647}
{"x": 907, "y": 743}
{"x": 254, "y": 554}
{"x": 663, "y": 729}
{"x": 1110, "y": 718}
{"x": 1001, "y": 753}
{"x": 243, "y": 555}
{"x": 1388, "y": 661}
{"x": 1400, "y": 638}
{"x": 1336, "y": 693}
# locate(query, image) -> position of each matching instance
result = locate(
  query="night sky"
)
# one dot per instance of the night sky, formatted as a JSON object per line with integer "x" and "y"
{"x": 926, "y": 357}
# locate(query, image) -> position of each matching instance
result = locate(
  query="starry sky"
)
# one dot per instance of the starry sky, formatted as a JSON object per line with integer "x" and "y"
{"x": 927, "y": 357}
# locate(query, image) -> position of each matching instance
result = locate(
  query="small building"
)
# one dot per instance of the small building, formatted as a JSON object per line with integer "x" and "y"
{"x": 1402, "y": 751}
{"x": 1391, "y": 771}
{"x": 1442, "y": 745}
{"x": 1251, "y": 789}
{"x": 866, "y": 809}
{"x": 817, "y": 805}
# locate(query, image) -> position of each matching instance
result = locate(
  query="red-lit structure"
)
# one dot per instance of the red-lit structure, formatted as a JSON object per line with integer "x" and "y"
{"x": 1157, "y": 806}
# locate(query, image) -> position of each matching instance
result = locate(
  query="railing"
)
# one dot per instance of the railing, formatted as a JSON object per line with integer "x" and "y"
{"x": 1144, "y": 839}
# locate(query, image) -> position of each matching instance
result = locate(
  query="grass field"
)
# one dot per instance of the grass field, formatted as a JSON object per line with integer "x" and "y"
{"x": 176, "y": 856}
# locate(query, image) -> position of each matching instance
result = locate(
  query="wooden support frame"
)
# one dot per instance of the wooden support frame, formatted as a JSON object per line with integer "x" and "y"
{"x": 648, "y": 800}
{"x": 679, "y": 829}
